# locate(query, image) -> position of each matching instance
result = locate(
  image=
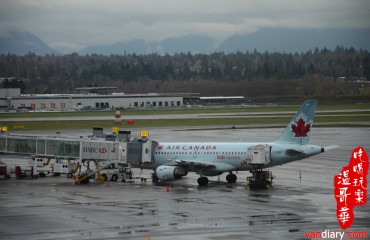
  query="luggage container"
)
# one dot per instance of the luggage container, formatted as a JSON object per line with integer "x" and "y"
{"x": 65, "y": 167}
{"x": 42, "y": 166}
{"x": 259, "y": 155}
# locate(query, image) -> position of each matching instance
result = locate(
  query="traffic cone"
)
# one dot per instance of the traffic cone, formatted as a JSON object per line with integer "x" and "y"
{"x": 168, "y": 188}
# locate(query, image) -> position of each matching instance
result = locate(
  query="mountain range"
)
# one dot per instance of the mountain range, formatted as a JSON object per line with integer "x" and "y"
{"x": 21, "y": 42}
{"x": 267, "y": 39}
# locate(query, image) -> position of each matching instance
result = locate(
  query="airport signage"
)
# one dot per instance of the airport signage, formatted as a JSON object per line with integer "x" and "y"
{"x": 94, "y": 150}
{"x": 100, "y": 150}
{"x": 144, "y": 134}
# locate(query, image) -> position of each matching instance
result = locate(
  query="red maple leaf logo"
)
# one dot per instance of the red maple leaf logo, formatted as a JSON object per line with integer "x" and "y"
{"x": 301, "y": 129}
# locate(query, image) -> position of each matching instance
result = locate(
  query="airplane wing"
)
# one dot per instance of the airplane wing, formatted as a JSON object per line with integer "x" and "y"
{"x": 189, "y": 163}
{"x": 207, "y": 166}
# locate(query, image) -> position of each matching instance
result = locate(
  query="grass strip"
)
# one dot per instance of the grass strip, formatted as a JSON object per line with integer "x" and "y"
{"x": 142, "y": 123}
{"x": 249, "y": 109}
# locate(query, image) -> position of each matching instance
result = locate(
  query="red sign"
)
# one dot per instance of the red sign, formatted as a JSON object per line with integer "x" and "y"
{"x": 130, "y": 122}
{"x": 350, "y": 187}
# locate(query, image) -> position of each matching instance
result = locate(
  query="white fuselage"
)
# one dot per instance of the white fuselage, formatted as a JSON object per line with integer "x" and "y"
{"x": 231, "y": 153}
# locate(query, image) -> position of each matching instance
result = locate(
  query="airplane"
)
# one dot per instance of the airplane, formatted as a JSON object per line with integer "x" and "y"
{"x": 175, "y": 159}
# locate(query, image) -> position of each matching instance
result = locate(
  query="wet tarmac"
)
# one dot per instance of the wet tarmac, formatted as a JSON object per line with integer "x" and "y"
{"x": 301, "y": 200}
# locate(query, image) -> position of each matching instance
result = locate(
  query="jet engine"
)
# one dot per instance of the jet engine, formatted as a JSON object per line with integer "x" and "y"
{"x": 166, "y": 173}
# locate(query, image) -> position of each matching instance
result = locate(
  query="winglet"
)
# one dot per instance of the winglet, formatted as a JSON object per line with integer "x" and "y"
{"x": 299, "y": 128}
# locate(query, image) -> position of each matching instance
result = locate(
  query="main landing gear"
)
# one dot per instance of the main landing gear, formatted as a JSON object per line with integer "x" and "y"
{"x": 230, "y": 178}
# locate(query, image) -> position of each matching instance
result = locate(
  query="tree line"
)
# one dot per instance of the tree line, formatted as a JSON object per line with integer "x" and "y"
{"x": 311, "y": 73}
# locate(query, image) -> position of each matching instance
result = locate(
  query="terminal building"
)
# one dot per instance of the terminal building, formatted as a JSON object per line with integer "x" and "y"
{"x": 101, "y": 98}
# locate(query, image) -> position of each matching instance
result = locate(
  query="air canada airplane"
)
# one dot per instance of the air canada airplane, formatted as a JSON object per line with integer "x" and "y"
{"x": 176, "y": 159}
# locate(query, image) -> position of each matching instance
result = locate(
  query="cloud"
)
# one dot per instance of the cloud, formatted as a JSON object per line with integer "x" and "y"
{"x": 75, "y": 24}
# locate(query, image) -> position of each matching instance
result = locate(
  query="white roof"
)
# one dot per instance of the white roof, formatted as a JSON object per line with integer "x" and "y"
{"x": 221, "y": 97}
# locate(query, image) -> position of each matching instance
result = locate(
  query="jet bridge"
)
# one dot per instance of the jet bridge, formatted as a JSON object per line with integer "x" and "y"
{"x": 102, "y": 149}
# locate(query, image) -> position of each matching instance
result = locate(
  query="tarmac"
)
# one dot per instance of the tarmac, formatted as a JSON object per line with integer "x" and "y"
{"x": 301, "y": 200}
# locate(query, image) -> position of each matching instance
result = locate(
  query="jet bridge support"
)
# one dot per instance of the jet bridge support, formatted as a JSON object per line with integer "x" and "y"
{"x": 258, "y": 157}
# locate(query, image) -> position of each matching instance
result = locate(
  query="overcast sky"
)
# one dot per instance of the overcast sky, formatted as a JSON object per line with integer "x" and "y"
{"x": 75, "y": 24}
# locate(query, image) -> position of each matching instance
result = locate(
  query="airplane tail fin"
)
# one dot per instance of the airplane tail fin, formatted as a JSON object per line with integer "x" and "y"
{"x": 299, "y": 128}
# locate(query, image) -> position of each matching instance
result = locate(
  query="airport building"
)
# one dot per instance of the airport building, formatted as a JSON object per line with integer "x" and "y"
{"x": 12, "y": 99}
{"x": 103, "y": 98}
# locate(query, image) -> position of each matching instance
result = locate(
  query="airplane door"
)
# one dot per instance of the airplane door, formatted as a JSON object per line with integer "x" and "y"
{"x": 154, "y": 147}
{"x": 123, "y": 151}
